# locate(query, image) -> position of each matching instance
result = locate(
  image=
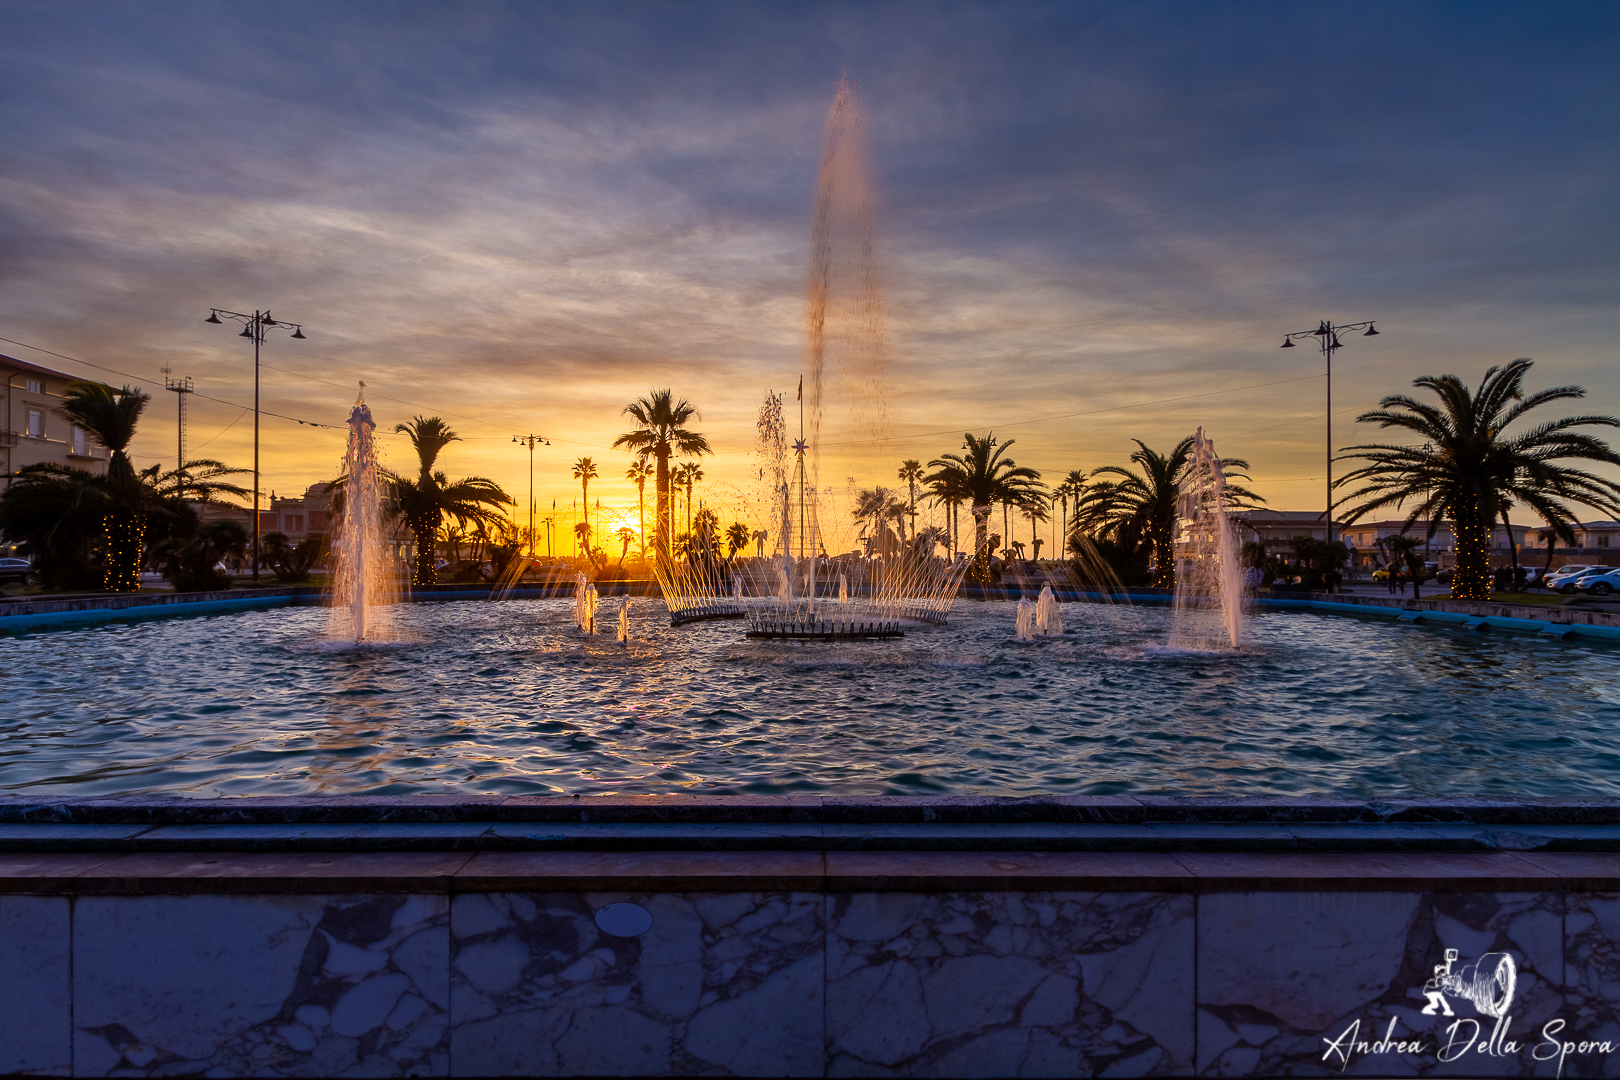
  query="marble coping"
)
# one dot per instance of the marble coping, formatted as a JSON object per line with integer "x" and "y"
{"x": 474, "y": 836}
{"x": 803, "y": 809}
{"x": 92, "y": 873}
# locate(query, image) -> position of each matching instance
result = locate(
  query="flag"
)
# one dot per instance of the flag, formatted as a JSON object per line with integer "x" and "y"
{"x": 801, "y": 388}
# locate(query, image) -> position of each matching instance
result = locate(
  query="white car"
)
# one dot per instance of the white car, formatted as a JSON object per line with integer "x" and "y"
{"x": 1598, "y": 581}
{"x": 1563, "y": 578}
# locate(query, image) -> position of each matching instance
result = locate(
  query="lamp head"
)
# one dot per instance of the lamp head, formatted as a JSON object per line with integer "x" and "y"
{"x": 246, "y": 332}
{"x": 1288, "y": 343}
{"x": 213, "y": 317}
{"x": 298, "y": 333}
{"x": 1372, "y": 331}
{"x": 266, "y": 319}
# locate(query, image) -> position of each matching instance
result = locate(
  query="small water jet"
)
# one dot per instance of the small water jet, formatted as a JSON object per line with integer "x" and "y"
{"x": 1209, "y": 576}
{"x": 1048, "y": 619}
{"x": 361, "y": 584}
{"x": 624, "y": 622}
{"x": 1024, "y": 624}
{"x": 585, "y": 601}
{"x": 843, "y": 589}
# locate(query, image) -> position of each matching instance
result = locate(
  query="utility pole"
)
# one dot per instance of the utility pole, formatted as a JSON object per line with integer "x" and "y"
{"x": 531, "y": 441}
{"x": 1327, "y": 337}
{"x": 181, "y": 388}
{"x": 254, "y": 327}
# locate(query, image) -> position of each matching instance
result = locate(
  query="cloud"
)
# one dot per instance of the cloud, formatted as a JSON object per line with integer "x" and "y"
{"x": 521, "y": 217}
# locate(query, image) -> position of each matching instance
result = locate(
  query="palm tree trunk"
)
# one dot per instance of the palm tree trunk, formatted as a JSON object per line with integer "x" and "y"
{"x": 423, "y": 572}
{"x": 1513, "y": 551}
{"x": 641, "y": 516}
{"x": 125, "y": 533}
{"x": 662, "y": 529}
{"x": 1164, "y": 558}
{"x": 1472, "y": 535}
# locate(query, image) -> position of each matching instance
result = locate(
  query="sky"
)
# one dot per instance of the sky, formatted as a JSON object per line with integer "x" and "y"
{"x": 1093, "y": 221}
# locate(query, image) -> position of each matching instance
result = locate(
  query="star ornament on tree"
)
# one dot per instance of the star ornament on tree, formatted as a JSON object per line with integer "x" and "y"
{"x": 800, "y": 446}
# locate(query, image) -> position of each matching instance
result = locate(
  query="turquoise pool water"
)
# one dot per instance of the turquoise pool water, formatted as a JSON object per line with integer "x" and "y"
{"x": 509, "y": 698}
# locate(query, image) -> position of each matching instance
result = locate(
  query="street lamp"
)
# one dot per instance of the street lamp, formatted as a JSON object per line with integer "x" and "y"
{"x": 531, "y": 441}
{"x": 1327, "y": 338}
{"x": 254, "y": 326}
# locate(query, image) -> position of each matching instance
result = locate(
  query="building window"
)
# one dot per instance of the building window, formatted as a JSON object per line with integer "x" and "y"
{"x": 34, "y": 387}
{"x": 297, "y": 521}
{"x": 1603, "y": 541}
{"x": 36, "y": 424}
{"x": 79, "y": 447}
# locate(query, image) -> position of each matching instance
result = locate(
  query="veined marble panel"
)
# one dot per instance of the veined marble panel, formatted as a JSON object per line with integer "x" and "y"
{"x": 261, "y": 985}
{"x": 721, "y": 984}
{"x": 1592, "y": 983}
{"x": 36, "y": 1016}
{"x": 1309, "y": 984}
{"x": 1010, "y": 984}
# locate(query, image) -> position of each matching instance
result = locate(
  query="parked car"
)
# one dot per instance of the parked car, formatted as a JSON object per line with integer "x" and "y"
{"x": 1598, "y": 581}
{"x": 1563, "y": 579}
{"x": 16, "y": 571}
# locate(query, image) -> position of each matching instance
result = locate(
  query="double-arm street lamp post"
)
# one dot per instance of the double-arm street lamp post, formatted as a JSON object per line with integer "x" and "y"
{"x": 254, "y": 326}
{"x": 1327, "y": 338}
{"x": 531, "y": 441}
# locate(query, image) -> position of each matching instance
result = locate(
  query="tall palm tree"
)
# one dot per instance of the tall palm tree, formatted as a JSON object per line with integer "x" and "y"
{"x": 1143, "y": 507}
{"x": 585, "y": 472}
{"x": 910, "y": 473}
{"x": 111, "y": 415}
{"x": 689, "y": 474}
{"x": 431, "y": 497}
{"x": 946, "y": 490}
{"x": 1473, "y": 472}
{"x": 662, "y": 432}
{"x": 984, "y": 477}
{"x": 638, "y": 474}
{"x": 1073, "y": 486}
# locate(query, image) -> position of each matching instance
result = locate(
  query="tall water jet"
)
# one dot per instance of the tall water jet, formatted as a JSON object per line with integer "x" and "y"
{"x": 624, "y": 622}
{"x": 361, "y": 583}
{"x": 1209, "y": 574}
{"x": 843, "y": 402}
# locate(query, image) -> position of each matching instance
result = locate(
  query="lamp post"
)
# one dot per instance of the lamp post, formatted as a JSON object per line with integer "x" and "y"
{"x": 1327, "y": 338}
{"x": 531, "y": 441}
{"x": 254, "y": 327}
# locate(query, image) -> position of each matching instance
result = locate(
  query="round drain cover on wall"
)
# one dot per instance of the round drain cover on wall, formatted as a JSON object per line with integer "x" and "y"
{"x": 624, "y": 920}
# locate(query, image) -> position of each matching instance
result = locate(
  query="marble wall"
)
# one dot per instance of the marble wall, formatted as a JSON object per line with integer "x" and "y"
{"x": 889, "y": 983}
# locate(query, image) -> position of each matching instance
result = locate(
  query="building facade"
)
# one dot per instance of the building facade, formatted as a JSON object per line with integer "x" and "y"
{"x": 32, "y": 429}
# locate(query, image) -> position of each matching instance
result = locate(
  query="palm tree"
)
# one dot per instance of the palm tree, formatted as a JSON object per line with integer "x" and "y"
{"x": 625, "y": 534}
{"x": 874, "y": 509}
{"x": 945, "y": 489}
{"x": 983, "y": 477}
{"x": 638, "y": 473}
{"x": 1072, "y": 487}
{"x": 426, "y": 501}
{"x": 737, "y": 538}
{"x": 691, "y": 473}
{"x": 110, "y": 416}
{"x": 662, "y": 432}
{"x": 1473, "y": 472}
{"x": 585, "y": 472}
{"x": 1143, "y": 508}
{"x": 910, "y": 473}
{"x": 1034, "y": 511}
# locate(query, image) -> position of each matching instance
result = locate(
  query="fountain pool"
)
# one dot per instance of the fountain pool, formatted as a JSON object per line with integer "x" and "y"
{"x": 510, "y": 698}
